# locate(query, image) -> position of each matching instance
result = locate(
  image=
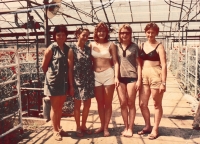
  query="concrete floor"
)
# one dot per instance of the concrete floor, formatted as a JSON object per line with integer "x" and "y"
{"x": 175, "y": 126}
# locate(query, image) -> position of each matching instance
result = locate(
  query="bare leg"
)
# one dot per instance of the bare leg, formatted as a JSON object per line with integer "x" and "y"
{"x": 144, "y": 95}
{"x": 54, "y": 114}
{"x": 100, "y": 102}
{"x": 108, "y": 97}
{"x": 85, "y": 112}
{"x": 77, "y": 105}
{"x": 157, "y": 98}
{"x": 62, "y": 100}
{"x": 131, "y": 93}
{"x": 121, "y": 91}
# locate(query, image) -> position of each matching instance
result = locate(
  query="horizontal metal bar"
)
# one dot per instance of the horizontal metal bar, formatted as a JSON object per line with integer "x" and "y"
{"x": 9, "y": 115}
{"x": 117, "y": 23}
{"x": 9, "y": 131}
{"x": 6, "y": 99}
{"x": 7, "y": 66}
{"x": 30, "y": 73}
{"x": 8, "y": 49}
{"x": 12, "y": 1}
{"x": 37, "y": 89}
{"x": 27, "y": 52}
{"x": 8, "y": 82}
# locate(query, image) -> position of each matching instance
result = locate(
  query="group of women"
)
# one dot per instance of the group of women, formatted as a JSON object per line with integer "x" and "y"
{"x": 97, "y": 69}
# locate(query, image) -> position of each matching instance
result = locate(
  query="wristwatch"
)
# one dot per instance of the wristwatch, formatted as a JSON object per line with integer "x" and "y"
{"x": 164, "y": 83}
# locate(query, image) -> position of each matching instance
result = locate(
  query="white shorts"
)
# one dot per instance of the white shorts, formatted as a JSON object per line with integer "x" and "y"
{"x": 104, "y": 78}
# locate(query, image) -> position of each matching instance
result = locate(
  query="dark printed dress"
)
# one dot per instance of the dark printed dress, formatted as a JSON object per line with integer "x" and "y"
{"x": 83, "y": 74}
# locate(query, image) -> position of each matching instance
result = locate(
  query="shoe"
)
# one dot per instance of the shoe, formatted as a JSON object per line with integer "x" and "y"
{"x": 87, "y": 131}
{"x": 144, "y": 132}
{"x": 152, "y": 137}
{"x": 79, "y": 134}
{"x": 123, "y": 132}
{"x": 57, "y": 136}
{"x": 62, "y": 132}
{"x": 196, "y": 128}
{"x": 99, "y": 130}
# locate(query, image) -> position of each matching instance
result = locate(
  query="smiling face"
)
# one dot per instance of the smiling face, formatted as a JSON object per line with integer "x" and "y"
{"x": 125, "y": 35}
{"x": 60, "y": 37}
{"x": 101, "y": 33}
{"x": 83, "y": 37}
{"x": 151, "y": 34}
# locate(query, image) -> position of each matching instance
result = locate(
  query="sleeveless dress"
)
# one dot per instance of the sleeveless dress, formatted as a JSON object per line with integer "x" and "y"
{"x": 83, "y": 73}
{"x": 56, "y": 78}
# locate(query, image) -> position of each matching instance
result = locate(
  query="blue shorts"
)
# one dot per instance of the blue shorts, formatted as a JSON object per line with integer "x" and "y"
{"x": 126, "y": 80}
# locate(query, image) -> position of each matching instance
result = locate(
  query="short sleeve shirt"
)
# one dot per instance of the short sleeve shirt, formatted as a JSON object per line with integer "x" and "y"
{"x": 127, "y": 61}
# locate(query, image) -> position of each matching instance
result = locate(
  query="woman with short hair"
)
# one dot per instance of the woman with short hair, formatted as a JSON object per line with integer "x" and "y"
{"x": 57, "y": 68}
{"x": 154, "y": 74}
{"x": 129, "y": 77}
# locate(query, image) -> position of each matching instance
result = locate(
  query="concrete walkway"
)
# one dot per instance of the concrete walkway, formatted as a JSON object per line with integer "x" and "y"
{"x": 175, "y": 127}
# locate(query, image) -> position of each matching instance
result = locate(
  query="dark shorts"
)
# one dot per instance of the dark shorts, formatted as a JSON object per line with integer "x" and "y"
{"x": 127, "y": 80}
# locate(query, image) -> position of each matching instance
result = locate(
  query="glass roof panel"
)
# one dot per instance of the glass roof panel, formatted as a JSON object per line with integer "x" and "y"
{"x": 173, "y": 17}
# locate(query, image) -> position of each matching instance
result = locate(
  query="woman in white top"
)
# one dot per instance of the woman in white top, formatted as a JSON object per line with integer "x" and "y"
{"x": 105, "y": 77}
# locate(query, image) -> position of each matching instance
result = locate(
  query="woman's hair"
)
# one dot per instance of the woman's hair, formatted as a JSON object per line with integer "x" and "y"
{"x": 124, "y": 26}
{"x": 79, "y": 31}
{"x": 59, "y": 28}
{"x": 153, "y": 26}
{"x": 101, "y": 25}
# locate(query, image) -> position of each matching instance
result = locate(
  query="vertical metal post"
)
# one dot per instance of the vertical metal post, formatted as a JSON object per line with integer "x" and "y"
{"x": 17, "y": 37}
{"x": 186, "y": 28}
{"x": 46, "y": 31}
{"x": 182, "y": 36}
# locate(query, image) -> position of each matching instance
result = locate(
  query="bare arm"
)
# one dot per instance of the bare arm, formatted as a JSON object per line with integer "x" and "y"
{"x": 71, "y": 65}
{"x": 115, "y": 62}
{"x": 46, "y": 59}
{"x": 162, "y": 55}
{"x": 139, "y": 68}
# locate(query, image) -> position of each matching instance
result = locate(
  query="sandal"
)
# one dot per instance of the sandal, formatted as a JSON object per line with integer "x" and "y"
{"x": 123, "y": 132}
{"x": 79, "y": 134}
{"x": 144, "y": 132}
{"x": 87, "y": 131}
{"x": 62, "y": 132}
{"x": 196, "y": 127}
{"x": 57, "y": 136}
{"x": 99, "y": 130}
{"x": 152, "y": 136}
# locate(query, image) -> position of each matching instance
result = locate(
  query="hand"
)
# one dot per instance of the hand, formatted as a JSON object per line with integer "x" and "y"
{"x": 116, "y": 82}
{"x": 138, "y": 85}
{"x": 162, "y": 88}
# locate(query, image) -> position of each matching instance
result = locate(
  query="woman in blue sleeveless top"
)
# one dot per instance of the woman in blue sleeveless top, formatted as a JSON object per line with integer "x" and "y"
{"x": 58, "y": 69}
